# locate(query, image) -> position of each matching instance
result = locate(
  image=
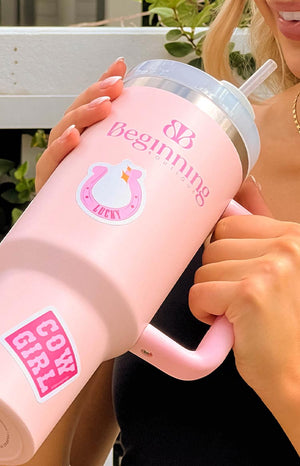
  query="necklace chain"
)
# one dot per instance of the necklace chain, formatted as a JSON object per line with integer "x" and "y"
{"x": 295, "y": 113}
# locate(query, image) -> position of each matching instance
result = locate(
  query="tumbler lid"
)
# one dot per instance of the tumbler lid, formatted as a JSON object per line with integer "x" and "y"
{"x": 226, "y": 96}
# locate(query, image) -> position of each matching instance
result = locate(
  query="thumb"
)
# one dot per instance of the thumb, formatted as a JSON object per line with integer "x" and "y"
{"x": 250, "y": 197}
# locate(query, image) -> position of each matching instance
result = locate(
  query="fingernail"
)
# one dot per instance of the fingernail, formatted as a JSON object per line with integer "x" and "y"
{"x": 66, "y": 133}
{"x": 257, "y": 184}
{"x": 98, "y": 101}
{"x": 109, "y": 81}
{"x": 119, "y": 59}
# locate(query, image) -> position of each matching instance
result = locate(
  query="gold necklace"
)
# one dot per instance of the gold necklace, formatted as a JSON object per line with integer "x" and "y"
{"x": 295, "y": 113}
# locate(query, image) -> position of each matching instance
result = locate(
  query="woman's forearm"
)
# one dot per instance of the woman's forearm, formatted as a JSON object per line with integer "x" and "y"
{"x": 283, "y": 400}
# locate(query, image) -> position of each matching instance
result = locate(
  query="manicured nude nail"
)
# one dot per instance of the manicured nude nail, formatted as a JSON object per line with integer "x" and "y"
{"x": 109, "y": 81}
{"x": 98, "y": 101}
{"x": 67, "y": 131}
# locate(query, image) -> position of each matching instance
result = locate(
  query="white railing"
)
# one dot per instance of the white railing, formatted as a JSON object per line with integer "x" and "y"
{"x": 43, "y": 69}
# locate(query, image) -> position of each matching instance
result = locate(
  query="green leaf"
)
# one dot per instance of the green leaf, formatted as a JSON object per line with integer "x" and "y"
{"x": 179, "y": 49}
{"x": 156, "y": 3}
{"x": 166, "y": 16}
{"x": 163, "y": 12}
{"x": 22, "y": 186}
{"x": 160, "y": 3}
{"x": 15, "y": 215}
{"x": 179, "y": 2}
{"x": 6, "y": 166}
{"x": 197, "y": 63}
{"x": 231, "y": 46}
{"x": 24, "y": 196}
{"x": 11, "y": 196}
{"x": 199, "y": 35}
{"x": 21, "y": 171}
{"x": 187, "y": 12}
{"x": 244, "y": 64}
{"x": 170, "y": 22}
{"x": 174, "y": 34}
{"x": 173, "y": 3}
{"x": 39, "y": 139}
{"x": 4, "y": 179}
{"x": 199, "y": 46}
{"x": 203, "y": 18}
{"x": 31, "y": 184}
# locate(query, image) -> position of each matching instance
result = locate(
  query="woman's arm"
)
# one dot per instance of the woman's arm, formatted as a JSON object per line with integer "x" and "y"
{"x": 97, "y": 428}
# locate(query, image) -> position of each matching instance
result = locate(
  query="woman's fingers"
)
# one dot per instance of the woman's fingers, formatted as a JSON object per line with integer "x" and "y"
{"x": 235, "y": 249}
{"x": 86, "y": 115}
{"x": 82, "y": 114}
{"x": 66, "y": 136}
{"x": 232, "y": 270}
{"x": 110, "y": 83}
{"x": 54, "y": 154}
{"x": 211, "y": 299}
{"x": 253, "y": 226}
{"x": 90, "y": 107}
{"x": 111, "y": 87}
{"x": 117, "y": 68}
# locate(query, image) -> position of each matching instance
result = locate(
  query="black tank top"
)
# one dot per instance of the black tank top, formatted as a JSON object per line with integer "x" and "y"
{"x": 214, "y": 421}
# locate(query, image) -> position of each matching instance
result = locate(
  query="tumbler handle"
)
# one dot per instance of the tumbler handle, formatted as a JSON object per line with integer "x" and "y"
{"x": 161, "y": 351}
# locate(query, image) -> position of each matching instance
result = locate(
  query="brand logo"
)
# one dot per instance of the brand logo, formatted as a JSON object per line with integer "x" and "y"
{"x": 180, "y": 133}
{"x": 154, "y": 147}
{"x": 113, "y": 194}
{"x": 43, "y": 348}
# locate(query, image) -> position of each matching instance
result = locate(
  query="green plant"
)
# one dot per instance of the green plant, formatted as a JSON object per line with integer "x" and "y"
{"x": 16, "y": 189}
{"x": 184, "y": 17}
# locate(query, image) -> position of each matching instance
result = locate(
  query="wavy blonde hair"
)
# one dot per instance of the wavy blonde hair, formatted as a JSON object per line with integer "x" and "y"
{"x": 263, "y": 45}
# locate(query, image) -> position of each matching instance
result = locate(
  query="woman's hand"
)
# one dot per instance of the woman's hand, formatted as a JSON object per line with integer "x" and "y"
{"x": 251, "y": 274}
{"x": 91, "y": 106}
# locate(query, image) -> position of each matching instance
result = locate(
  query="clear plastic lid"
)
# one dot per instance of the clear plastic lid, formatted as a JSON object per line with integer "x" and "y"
{"x": 228, "y": 97}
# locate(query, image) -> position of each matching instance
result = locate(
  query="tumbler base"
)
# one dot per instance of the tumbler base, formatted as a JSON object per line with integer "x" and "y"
{"x": 16, "y": 444}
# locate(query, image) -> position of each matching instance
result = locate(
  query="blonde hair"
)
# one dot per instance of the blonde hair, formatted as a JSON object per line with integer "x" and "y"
{"x": 263, "y": 45}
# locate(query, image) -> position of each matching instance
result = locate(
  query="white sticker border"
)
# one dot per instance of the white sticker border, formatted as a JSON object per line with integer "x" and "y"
{"x": 22, "y": 365}
{"x": 102, "y": 220}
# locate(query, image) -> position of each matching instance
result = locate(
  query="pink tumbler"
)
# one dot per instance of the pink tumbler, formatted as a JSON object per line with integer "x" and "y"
{"x": 102, "y": 244}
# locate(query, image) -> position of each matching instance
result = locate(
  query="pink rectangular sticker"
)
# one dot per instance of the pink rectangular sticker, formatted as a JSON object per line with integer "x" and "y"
{"x": 44, "y": 347}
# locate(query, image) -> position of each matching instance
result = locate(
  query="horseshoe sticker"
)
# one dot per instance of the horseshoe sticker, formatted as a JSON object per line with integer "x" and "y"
{"x": 113, "y": 194}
